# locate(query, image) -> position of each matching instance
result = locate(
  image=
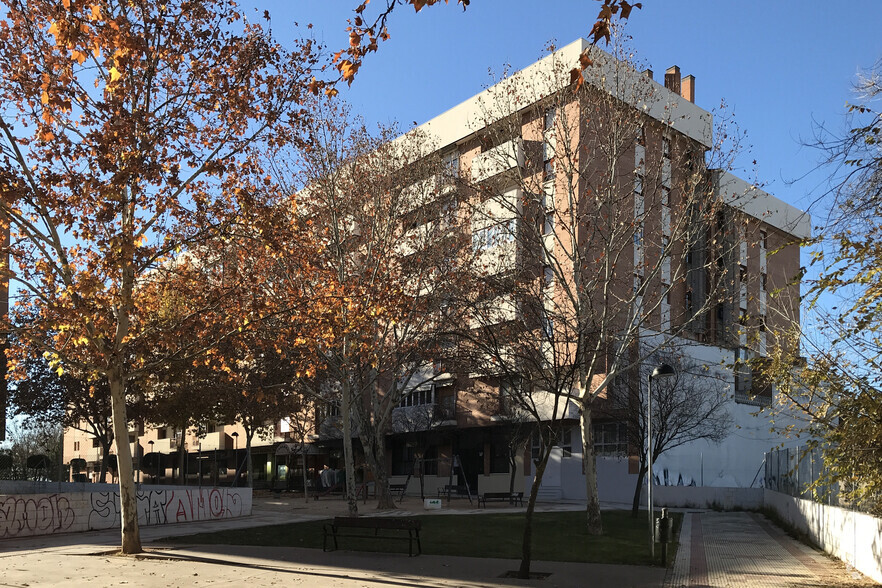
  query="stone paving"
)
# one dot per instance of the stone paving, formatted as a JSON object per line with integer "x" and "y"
{"x": 740, "y": 549}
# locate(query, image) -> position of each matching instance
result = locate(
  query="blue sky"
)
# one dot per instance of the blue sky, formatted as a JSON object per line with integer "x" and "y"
{"x": 778, "y": 65}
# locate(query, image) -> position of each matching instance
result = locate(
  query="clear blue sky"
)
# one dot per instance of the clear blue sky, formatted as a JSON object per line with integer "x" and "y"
{"x": 778, "y": 65}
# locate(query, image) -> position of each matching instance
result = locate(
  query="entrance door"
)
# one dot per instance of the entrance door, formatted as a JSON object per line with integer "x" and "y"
{"x": 470, "y": 449}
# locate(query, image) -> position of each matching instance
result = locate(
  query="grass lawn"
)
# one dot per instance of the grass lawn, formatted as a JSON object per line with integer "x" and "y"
{"x": 557, "y": 536}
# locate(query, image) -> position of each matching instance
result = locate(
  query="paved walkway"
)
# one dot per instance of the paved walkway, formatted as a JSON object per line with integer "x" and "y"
{"x": 717, "y": 549}
{"x": 741, "y": 550}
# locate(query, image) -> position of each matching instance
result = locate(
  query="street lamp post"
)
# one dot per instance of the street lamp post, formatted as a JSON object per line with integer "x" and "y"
{"x": 150, "y": 443}
{"x": 662, "y": 371}
{"x": 235, "y": 436}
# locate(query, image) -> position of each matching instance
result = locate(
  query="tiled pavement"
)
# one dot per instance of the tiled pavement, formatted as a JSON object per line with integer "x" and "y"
{"x": 744, "y": 550}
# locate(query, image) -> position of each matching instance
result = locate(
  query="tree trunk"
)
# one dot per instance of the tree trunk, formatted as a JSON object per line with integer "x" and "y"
{"x": 376, "y": 459}
{"x": 348, "y": 454}
{"x": 128, "y": 498}
{"x": 595, "y": 524}
{"x": 635, "y": 506}
{"x": 527, "y": 544}
{"x": 513, "y": 466}
{"x": 102, "y": 477}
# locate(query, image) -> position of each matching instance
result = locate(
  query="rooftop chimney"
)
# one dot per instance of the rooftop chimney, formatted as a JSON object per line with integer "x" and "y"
{"x": 687, "y": 90}
{"x": 648, "y": 73}
{"x": 672, "y": 79}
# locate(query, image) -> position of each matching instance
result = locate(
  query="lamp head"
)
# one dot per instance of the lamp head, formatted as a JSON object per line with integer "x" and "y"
{"x": 663, "y": 370}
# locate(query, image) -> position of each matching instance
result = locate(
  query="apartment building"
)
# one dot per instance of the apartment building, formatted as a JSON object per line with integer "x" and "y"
{"x": 558, "y": 181}
{"x": 596, "y": 214}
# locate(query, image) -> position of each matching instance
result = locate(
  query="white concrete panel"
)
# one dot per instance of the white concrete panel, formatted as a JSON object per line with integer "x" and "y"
{"x": 761, "y": 205}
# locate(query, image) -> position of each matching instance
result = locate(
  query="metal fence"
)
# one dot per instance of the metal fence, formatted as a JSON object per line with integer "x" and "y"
{"x": 798, "y": 471}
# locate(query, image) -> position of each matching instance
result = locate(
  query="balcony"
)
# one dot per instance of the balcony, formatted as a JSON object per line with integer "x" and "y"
{"x": 416, "y": 239}
{"x": 492, "y": 312}
{"x": 425, "y": 192}
{"x": 497, "y": 160}
{"x": 168, "y": 445}
{"x": 219, "y": 441}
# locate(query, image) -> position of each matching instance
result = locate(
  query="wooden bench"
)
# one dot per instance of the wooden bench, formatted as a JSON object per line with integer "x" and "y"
{"x": 513, "y": 498}
{"x": 360, "y": 527}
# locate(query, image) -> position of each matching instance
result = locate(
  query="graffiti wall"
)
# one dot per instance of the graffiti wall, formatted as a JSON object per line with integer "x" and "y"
{"x": 46, "y": 514}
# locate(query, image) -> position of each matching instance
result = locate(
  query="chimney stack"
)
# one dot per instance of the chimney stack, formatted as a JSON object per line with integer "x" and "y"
{"x": 648, "y": 73}
{"x": 687, "y": 90}
{"x": 672, "y": 79}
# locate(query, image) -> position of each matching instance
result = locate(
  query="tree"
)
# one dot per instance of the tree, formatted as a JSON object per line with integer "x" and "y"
{"x": 688, "y": 407}
{"x": 364, "y": 33}
{"x": 34, "y": 451}
{"x": 375, "y": 206}
{"x": 613, "y": 218}
{"x": 129, "y": 132}
{"x": 73, "y": 402}
{"x": 518, "y": 353}
{"x": 830, "y": 373}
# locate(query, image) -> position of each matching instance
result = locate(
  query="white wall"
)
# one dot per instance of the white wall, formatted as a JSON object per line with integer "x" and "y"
{"x": 27, "y": 515}
{"x": 708, "y": 497}
{"x": 853, "y": 537}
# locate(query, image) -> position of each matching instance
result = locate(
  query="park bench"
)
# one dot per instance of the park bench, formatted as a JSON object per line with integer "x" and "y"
{"x": 513, "y": 498}
{"x": 394, "y": 529}
{"x": 397, "y": 491}
{"x": 450, "y": 491}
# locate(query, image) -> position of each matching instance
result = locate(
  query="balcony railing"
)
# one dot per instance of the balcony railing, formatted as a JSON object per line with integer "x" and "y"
{"x": 497, "y": 160}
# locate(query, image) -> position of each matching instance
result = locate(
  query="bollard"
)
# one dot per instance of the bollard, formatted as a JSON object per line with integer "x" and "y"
{"x": 663, "y": 534}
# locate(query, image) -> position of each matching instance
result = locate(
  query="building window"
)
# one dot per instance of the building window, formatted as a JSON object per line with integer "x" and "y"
{"x": 666, "y": 261}
{"x": 332, "y": 409}
{"x": 548, "y": 166}
{"x": 689, "y": 301}
{"x": 550, "y": 117}
{"x": 494, "y": 235}
{"x": 95, "y": 443}
{"x": 641, "y": 135}
{"x": 499, "y": 453}
{"x": 665, "y": 196}
{"x": 76, "y": 445}
{"x": 548, "y": 275}
{"x": 450, "y": 164}
{"x": 548, "y": 225}
{"x": 638, "y": 184}
{"x": 418, "y": 397}
{"x": 563, "y": 438}
{"x": 666, "y": 147}
{"x": 666, "y": 220}
{"x": 610, "y": 439}
{"x": 403, "y": 455}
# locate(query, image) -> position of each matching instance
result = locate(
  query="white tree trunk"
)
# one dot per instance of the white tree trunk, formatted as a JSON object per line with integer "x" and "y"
{"x": 128, "y": 498}
{"x": 595, "y": 525}
{"x": 348, "y": 454}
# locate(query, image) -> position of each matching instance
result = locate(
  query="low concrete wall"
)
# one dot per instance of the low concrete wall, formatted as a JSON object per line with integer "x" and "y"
{"x": 853, "y": 537}
{"x": 708, "y": 497}
{"x": 28, "y": 515}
